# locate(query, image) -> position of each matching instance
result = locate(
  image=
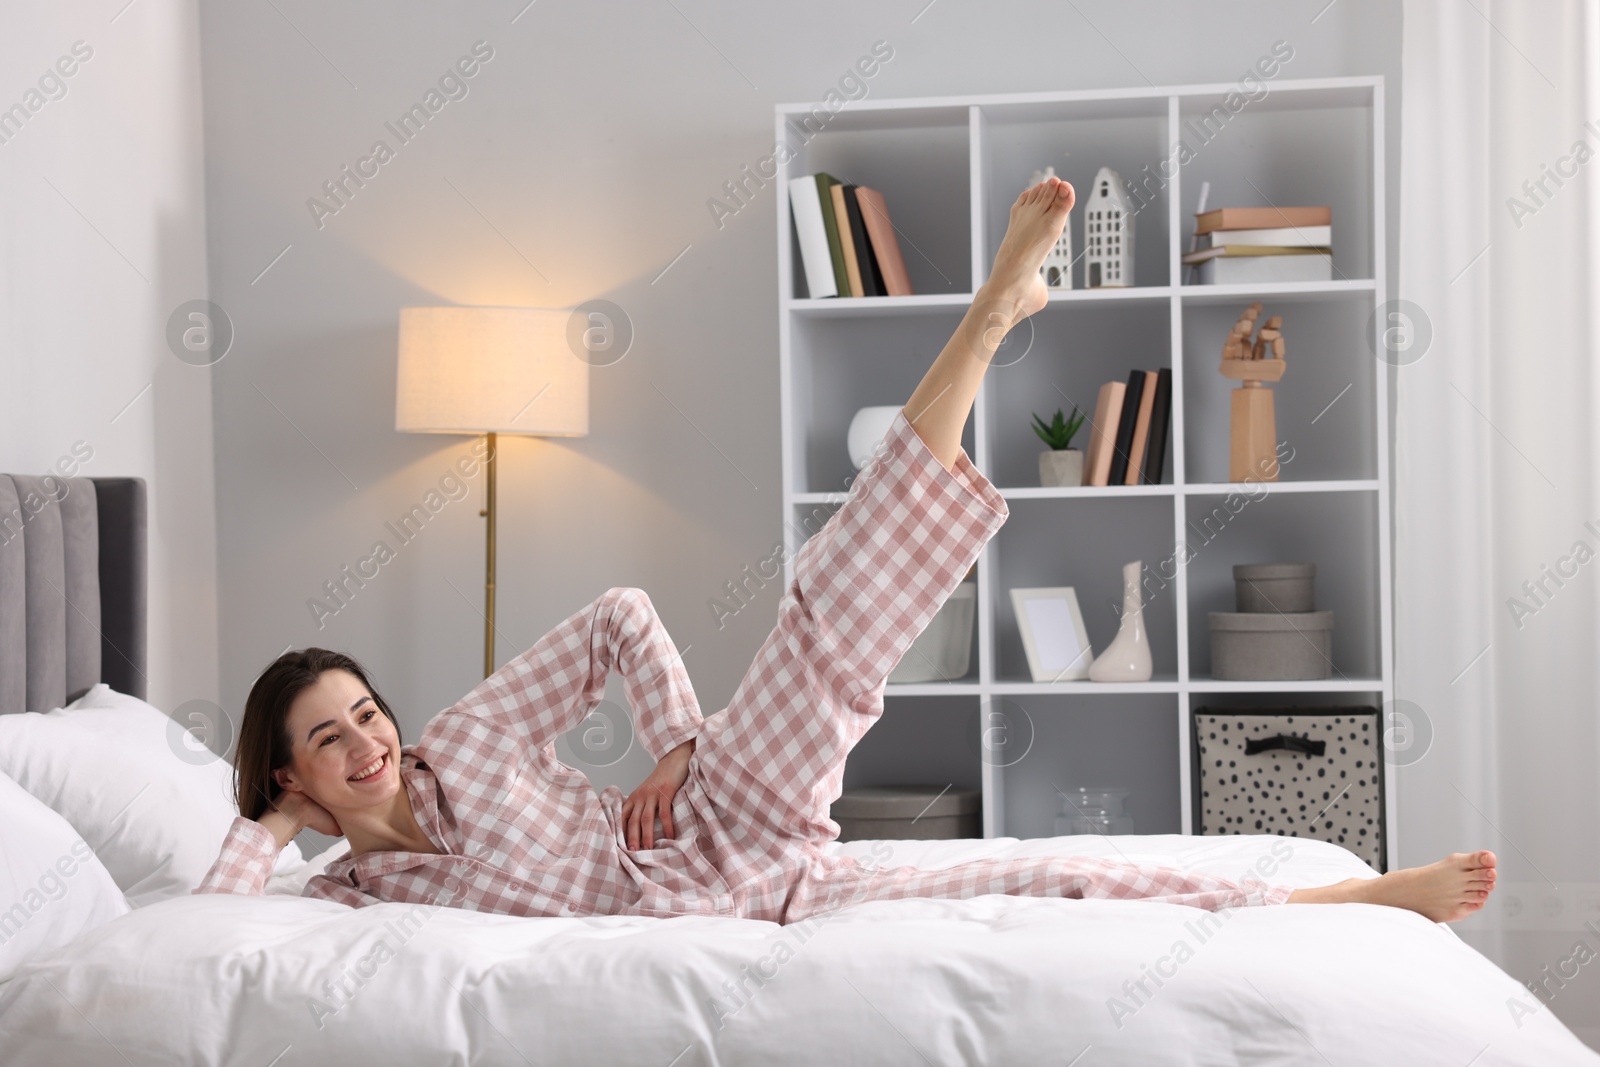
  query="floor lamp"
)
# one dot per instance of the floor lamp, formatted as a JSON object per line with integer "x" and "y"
{"x": 489, "y": 370}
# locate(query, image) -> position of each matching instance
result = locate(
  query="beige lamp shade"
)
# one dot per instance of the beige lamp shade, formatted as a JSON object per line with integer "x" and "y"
{"x": 489, "y": 370}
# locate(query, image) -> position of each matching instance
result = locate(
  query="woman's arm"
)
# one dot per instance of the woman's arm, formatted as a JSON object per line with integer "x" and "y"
{"x": 554, "y": 685}
{"x": 653, "y": 798}
{"x": 250, "y": 851}
{"x": 248, "y": 855}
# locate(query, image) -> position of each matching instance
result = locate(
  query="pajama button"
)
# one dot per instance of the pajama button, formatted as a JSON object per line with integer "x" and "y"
{"x": 568, "y": 908}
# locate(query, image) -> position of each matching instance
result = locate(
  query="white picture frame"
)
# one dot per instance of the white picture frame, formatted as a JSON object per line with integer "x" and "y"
{"x": 1053, "y": 634}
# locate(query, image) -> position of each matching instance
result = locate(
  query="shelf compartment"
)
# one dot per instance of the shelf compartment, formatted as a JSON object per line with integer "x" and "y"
{"x": 1088, "y": 492}
{"x": 1078, "y": 138}
{"x": 1336, "y": 485}
{"x": 1158, "y": 683}
{"x": 1100, "y": 492}
{"x": 1138, "y": 293}
{"x": 1318, "y": 685}
{"x": 1060, "y": 358}
{"x": 1090, "y": 740}
{"x": 931, "y": 689}
{"x": 934, "y": 734}
{"x": 833, "y": 306}
{"x": 839, "y": 365}
{"x": 1281, "y": 156}
{"x": 805, "y": 519}
{"x": 1085, "y": 545}
{"x": 1357, "y": 290}
{"x": 919, "y": 161}
{"x": 1325, "y": 407}
{"x": 1336, "y": 531}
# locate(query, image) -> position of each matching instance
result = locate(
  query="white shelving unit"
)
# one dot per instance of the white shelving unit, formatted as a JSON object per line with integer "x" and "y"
{"x": 949, "y": 168}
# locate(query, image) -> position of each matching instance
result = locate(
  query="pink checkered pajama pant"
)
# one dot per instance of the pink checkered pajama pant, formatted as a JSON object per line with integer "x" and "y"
{"x": 766, "y": 769}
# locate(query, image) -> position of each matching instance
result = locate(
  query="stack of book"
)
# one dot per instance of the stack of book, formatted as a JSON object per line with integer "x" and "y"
{"x": 847, "y": 242}
{"x": 1128, "y": 441}
{"x": 1263, "y": 244}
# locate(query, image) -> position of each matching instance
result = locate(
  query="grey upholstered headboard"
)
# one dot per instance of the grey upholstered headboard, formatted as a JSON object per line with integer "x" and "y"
{"x": 72, "y": 588}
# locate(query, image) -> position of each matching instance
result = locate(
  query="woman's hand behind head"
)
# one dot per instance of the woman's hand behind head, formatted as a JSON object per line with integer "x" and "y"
{"x": 306, "y": 813}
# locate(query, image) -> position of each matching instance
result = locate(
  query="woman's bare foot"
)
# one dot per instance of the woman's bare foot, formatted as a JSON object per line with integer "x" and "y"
{"x": 1447, "y": 891}
{"x": 940, "y": 404}
{"x": 1015, "y": 288}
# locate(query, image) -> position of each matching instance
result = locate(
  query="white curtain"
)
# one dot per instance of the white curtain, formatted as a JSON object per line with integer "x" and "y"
{"x": 1497, "y": 468}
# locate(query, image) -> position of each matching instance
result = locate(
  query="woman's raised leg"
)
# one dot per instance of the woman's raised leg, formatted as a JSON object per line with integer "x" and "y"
{"x": 865, "y": 586}
{"x": 939, "y": 406}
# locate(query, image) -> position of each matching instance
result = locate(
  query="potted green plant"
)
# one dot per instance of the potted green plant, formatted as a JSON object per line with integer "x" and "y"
{"x": 1060, "y": 464}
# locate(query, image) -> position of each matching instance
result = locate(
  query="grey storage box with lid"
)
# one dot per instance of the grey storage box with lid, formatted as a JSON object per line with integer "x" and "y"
{"x": 907, "y": 813}
{"x": 1280, "y": 587}
{"x": 1276, "y": 634}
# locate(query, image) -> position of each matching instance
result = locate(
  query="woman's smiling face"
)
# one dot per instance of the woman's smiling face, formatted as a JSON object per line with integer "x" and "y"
{"x": 345, "y": 753}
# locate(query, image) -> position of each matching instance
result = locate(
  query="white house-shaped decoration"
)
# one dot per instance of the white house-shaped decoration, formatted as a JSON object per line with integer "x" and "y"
{"x": 1057, "y": 267}
{"x": 1108, "y": 233}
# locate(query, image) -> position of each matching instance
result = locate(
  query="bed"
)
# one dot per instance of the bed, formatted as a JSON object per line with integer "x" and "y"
{"x": 283, "y": 979}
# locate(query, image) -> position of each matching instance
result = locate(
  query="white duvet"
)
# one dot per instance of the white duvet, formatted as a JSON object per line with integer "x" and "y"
{"x": 283, "y": 980}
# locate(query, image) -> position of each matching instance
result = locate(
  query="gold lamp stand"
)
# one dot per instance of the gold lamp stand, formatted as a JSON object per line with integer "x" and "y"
{"x": 488, "y": 578}
{"x": 490, "y": 371}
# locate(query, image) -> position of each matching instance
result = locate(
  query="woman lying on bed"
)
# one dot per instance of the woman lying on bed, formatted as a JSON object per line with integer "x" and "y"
{"x": 480, "y": 814}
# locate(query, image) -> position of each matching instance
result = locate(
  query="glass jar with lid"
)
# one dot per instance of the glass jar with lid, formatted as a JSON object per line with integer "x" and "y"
{"x": 1093, "y": 810}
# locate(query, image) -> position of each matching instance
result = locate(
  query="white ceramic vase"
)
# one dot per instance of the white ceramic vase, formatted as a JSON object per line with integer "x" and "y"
{"x": 1127, "y": 658}
{"x": 1060, "y": 467}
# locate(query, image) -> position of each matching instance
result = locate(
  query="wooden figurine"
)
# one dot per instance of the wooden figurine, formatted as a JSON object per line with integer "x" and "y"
{"x": 1252, "y": 360}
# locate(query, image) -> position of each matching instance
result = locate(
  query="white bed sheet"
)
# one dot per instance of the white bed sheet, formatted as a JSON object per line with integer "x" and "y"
{"x": 990, "y": 980}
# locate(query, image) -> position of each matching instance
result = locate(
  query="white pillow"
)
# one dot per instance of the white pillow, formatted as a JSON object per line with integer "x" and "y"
{"x": 53, "y": 888}
{"x": 133, "y": 783}
{"x": 289, "y": 878}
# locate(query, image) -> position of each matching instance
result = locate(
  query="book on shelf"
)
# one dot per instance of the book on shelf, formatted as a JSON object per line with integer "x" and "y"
{"x": 1131, "y": 392}
{"x": 1250, "y": 245}
{"x": 1233, "y": 251}
{"x": 805, "y": 205}
{"x": 1128, "y": 437}
{"x": 841, "y": 281}
{"x": 1280, "y": 236}
{"x": 1262, "y": 218}
{"x": 1141, "y": 427}
{"x": 847, "y": 243}
{"x": 885, "y": 245}
{"x": 1315, "y": 266}
{"x": 1155, "y": 453}
{"x": 871, "y": 272}
{"x": 1103, "y": 434}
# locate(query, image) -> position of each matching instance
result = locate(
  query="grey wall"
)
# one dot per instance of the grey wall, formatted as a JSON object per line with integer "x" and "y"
{"x": 577, "y": 167}
{"x": 102, "y": 237}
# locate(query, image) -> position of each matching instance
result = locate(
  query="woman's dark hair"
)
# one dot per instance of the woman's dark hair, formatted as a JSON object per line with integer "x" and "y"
{"x": 264, "y": 743}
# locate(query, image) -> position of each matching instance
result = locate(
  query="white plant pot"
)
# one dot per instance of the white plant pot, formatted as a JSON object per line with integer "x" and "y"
{"x": 943, "y": 651}
{"x": 1062, "y": 467}
{"x": 868, "y": 427}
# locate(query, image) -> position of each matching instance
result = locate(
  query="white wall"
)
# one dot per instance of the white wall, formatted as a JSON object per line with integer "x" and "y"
{"x": 102, "y": 236}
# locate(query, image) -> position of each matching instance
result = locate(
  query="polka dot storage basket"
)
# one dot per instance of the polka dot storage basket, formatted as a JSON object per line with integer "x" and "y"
{"x": 1291, "y": 771}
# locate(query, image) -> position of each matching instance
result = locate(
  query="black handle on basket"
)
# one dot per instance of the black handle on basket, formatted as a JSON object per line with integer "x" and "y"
{"x": 1285, "y": 741}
